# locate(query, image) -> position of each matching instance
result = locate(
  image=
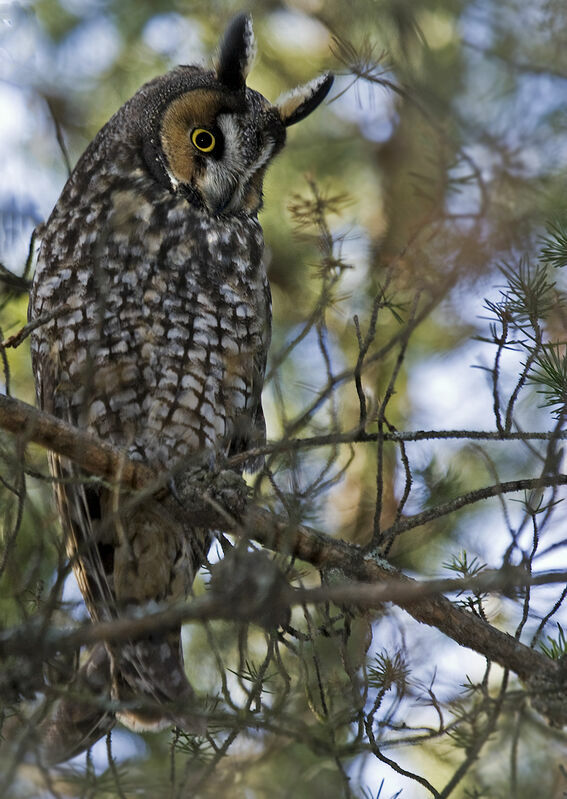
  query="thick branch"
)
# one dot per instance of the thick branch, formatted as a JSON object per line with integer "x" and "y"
{"x": 87, "y": 451}
{"x": 226, "y": 605}
{"x": 436, "y": 611}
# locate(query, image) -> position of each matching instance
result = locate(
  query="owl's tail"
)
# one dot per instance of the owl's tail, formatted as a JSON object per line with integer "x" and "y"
{"x": 149, "y": 682}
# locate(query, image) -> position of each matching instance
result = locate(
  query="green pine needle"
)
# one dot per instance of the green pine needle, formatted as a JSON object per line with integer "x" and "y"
{"x": 554, "y": 250}
{"x": 550, "y": 373}
{"x": 557, "y": 647}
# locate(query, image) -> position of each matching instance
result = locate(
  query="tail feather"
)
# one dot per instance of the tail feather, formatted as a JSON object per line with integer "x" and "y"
{"x": 146, "y": 678}
{"x": 149, "y": 682}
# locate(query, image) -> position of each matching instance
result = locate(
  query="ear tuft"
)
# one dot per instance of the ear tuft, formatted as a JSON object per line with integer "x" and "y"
{"x": 237, "y": 52}
{"x": 300, "y": 102}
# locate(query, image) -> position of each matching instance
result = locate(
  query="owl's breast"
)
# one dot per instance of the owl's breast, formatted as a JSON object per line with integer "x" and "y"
{"x": 164, "y": 345}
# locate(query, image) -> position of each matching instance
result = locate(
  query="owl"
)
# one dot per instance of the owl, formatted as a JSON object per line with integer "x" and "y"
{"x": 157, "y": 306}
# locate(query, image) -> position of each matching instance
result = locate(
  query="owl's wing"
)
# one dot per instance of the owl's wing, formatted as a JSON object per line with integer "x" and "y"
{"x": 119, "y": 563}
{"x": 79, "y": 504}
{"x": 76, "y": 725}
{"x": 88, "y": 546}
{"x": 251, "y": 433}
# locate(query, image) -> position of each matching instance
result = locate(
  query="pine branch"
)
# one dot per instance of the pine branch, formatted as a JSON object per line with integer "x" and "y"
{"x": 306, "y": 544}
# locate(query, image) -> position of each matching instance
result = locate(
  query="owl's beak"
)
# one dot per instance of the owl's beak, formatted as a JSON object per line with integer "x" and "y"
{"x": 217, "y": 192}
{"x": 217, "y": 210}
{"x": 222, "y": 204}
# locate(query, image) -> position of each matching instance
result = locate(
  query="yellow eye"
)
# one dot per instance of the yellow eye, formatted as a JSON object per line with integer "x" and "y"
{"x": 203, "y": 140}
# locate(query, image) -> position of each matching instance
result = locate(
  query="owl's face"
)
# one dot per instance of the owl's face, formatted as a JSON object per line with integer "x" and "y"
{"x": 218, "y": 145}
{"x": 209, "y": 137}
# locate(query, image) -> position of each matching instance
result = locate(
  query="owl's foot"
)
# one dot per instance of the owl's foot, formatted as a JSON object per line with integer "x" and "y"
{"x": 209, "y": 498}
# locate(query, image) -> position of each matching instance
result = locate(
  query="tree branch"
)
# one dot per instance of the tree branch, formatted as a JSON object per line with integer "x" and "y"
{"x": 302, "y": 542}
{"x": 87, "y": 451}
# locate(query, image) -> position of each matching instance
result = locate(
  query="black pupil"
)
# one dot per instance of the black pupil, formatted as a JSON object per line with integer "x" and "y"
{"x": 203, "y": 140}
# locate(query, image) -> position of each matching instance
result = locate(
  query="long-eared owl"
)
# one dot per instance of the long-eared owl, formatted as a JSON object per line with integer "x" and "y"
{"x": 158, "y": 312}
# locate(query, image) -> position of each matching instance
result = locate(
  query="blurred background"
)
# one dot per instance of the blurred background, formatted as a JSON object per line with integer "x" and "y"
{"x": 411, "y": 200}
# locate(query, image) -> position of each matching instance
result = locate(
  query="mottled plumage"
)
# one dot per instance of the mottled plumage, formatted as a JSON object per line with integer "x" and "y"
{"x": 154, "y": 252}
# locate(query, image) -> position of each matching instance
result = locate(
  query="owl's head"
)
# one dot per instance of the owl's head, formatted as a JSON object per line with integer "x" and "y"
{"x": 206, "y": 135}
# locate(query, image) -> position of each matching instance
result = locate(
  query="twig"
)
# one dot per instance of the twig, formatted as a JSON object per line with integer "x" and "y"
{"x": 507, "y": 487}
{"x": 24, "y": 332}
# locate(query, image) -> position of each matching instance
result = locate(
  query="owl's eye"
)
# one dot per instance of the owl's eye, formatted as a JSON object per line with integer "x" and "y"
{"x": 203, "y": 140}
